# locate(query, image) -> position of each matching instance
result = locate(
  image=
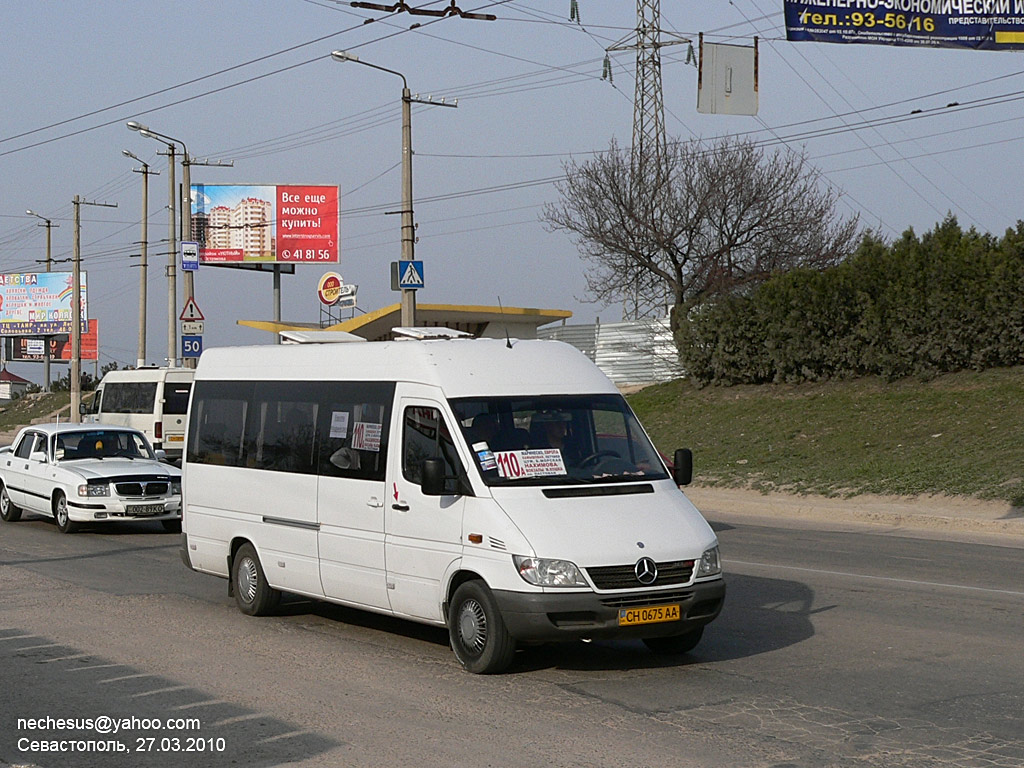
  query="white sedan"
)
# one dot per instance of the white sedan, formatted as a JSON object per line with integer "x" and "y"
{"x": 87, "y": 473}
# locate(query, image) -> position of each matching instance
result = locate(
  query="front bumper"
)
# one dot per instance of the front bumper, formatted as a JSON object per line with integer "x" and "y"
{"x": 103, "y": 509}
{"x": 548, "y": 617}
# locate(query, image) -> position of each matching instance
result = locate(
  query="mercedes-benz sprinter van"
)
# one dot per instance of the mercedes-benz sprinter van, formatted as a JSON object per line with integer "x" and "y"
{"x": 503, "y": 489}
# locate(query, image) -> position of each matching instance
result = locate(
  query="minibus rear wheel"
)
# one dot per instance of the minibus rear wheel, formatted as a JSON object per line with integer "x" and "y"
{"x": 479, "y": 638}
{"x": 252, "y": 593}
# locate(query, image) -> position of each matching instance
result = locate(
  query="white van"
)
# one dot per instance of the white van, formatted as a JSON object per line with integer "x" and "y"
{"x": 151, "y": 400}
{"x": 502, "y": 489}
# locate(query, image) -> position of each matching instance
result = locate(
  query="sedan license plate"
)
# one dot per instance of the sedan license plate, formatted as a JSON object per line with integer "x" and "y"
{"x": 650, "y": 614}
{"x": 146, "y": 510}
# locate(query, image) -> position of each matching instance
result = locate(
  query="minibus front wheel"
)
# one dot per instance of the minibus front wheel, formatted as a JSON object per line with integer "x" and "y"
{"x": 254, "y": 596}
{"x": 479, "y": 638}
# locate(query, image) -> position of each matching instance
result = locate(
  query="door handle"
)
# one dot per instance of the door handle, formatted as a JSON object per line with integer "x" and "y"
{"x": 400, "y": 506}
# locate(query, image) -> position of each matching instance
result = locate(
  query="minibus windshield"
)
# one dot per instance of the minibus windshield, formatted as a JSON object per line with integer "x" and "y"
{"x": 557, "y": 440}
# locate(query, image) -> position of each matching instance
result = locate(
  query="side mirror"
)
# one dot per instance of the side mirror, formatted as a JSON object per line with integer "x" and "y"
{"x": 682, "y": 472}
{"x": 432, "y": 481}
{"x": 82, "y": 410}
{"x": 161, "y": 454}
{"x": 38, "y": 456}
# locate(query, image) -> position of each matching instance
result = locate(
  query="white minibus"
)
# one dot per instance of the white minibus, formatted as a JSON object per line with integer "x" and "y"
{"x": 501, "y": 488}
{"x": 151, "y": 400}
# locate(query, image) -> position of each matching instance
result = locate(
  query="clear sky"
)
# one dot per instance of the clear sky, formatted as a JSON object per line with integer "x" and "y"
{"x": 254, "y": 82}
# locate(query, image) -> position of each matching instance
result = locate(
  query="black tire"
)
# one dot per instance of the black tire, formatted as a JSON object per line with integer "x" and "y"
{"x": 479, "y": 638}
{"x": 676, "y": 644}
{"x": 172, "y": 526}
{"x": 9, "y": 513}
{"x": 60, "y": 514}
{"x": 252, "y": 593}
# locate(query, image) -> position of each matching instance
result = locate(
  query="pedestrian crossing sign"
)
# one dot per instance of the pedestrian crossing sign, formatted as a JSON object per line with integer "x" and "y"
{"x": 409, "y": 274}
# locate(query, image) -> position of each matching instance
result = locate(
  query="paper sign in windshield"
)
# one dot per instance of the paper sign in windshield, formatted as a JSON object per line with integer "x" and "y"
{"x": 537, "y": 463}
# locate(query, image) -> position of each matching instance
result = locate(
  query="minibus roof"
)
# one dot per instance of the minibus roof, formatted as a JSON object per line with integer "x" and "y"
{"x": 460, "y": 367}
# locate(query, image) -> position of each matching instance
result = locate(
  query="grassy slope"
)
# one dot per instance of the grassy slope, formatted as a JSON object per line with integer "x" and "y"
{"x": 960, "y": 434}
{"x": 24, "y": 409}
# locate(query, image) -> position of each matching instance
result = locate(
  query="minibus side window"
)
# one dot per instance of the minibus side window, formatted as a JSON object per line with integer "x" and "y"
{"x": 426, "y": 436}
{"x": 217, "y": 425}
{"x": 353, "y": 429}
{"x": 281, "y": 427}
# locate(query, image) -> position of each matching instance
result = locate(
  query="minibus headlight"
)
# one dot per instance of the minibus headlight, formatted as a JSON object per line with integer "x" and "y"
{"x": 94, "y": 490}
{"x": 710, "y": 563}
{"x": 548, "y": 573}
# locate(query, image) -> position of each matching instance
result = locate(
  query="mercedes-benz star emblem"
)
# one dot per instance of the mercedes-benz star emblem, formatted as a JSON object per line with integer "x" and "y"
{"x": 646, "y": 571}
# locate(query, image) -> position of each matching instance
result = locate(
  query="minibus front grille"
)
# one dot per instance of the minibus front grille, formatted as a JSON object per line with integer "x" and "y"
{"x": 624, "y": 576}
{"x": 647, "y": 598}
{"x": 141, "y": 489}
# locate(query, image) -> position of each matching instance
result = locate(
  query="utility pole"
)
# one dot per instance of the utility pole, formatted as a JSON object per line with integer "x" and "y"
{"x": 76, "y": 309}
{"x": 49, "y": 263}
{"x": 408, "y": 222}
{"x": 144, "y": 260}
{"x": 649, "y": 142}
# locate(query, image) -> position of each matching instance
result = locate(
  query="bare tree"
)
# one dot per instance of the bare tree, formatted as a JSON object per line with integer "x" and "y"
{"x": 710, "y": 218}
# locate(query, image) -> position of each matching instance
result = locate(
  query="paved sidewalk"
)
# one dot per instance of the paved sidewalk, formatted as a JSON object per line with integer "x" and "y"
{"x": 944, "y": 513}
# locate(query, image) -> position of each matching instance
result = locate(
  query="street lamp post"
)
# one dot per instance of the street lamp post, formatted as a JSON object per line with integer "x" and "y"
{"x": 49, "y": 262}
{"x": 172, "y": 280}
{"x": 408, "y": 230}
{"x": 144, "y": 260}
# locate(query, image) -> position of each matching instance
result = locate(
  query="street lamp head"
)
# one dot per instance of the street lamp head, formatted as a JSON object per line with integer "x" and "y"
{"x": 343, "y": 56}
{"x": 31, "y": 213}
{"x": 147, "y": 133}
{"x": 126, "y": 153}
{"x": 134, "y": 126}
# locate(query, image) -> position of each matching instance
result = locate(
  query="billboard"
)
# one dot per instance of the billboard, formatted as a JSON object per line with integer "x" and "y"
{"x": 991, "y": 25}
{"x": 38, "y": 303}
{"x": 27, "y": 349}
{"x": 265, "y": 224}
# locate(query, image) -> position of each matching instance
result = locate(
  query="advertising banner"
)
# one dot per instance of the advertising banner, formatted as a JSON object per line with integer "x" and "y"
{"x": 265, "y": 224}
{"x": 991, "y": 25}
{"x": 38, "y": 303}
{"x": 26, "y": 349}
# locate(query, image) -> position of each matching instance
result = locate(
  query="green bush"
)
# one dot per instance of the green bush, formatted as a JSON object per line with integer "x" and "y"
{"x": 948, "y": 301}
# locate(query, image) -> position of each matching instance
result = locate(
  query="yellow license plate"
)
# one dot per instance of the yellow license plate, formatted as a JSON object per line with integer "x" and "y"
{"x": 651, "y": 614}
{"x": 175, "y": 438}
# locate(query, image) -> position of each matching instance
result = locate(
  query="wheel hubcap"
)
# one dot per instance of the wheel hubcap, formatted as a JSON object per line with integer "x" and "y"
{"x": 473, "y": 626}
{"x": 247, "y": 579}
{"x": 62, "y": 513}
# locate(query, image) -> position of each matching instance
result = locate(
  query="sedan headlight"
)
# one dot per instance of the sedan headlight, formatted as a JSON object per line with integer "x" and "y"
{"x": 94, "y": 490}
{"x": 548, "y": 573}
{"x": 710, "y": 563}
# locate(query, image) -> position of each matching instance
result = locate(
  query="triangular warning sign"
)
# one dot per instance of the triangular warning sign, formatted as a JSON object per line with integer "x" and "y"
{"x": 411, "y": 277}
{"x": 191, "y": 311}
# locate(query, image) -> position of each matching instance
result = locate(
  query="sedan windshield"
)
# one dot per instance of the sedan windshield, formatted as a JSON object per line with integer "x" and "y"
{"x": 557, "y": 440}
{"x": 101, "y": 444}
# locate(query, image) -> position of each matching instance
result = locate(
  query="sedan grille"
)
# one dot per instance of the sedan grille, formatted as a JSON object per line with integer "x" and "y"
{"x": 624, "y": 576}
{"x": 141, "y": 489}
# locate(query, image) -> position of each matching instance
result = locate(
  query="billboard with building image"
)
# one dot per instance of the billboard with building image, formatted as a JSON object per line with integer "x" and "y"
{"x": 265, "y": 223}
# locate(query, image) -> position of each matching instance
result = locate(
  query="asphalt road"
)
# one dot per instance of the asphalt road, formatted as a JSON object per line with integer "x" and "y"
{"x": 836, "y": 648}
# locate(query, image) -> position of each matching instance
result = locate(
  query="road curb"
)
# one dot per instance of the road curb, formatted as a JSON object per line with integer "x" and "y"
{"x": 934, "y": 513}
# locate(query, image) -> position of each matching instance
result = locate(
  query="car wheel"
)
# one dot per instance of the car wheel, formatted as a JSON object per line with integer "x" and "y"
{"x": 479, "y": 638}
{"x": 252, "y": 593}
{"x": 8, "y": 512}
{"x": 173, "y": 526}
{"x": 676, "y": 644}
{"x": 60, "y": 514}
